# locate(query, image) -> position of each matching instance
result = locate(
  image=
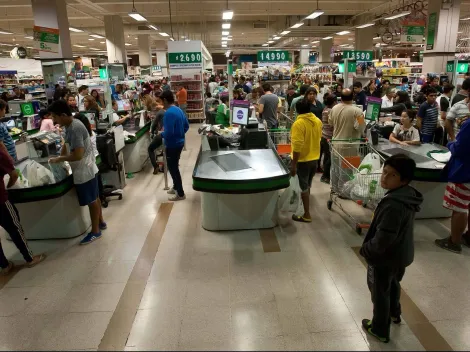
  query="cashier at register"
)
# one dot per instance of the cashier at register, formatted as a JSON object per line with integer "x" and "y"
{"x": 405, "y": 133}
{"x": 118, "y": 120}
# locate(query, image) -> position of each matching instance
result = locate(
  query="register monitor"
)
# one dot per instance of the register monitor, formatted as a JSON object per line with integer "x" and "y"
{"x": 124, "y": 105}
{"x": 373, "y": 108}
{"x": 240, "y": 112}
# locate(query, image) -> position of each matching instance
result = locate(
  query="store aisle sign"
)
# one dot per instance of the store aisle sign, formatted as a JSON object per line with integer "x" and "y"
{"x": 431, "y": 31}
{"x": 185, "y": 60}
{"x": 273, "y": 57}
{"x": 358, "y": 55}
{"x": 103, "y": 73}
{"x": 351, "y": 67}
{"x": 462, "y": 67}
{"x": 412, "y": 34}
{"x": 46, "y": 39}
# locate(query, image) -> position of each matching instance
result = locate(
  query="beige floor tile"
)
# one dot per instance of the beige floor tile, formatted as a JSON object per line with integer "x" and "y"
{"x": 202, "y": 324}
{"x": 258, "y": 344}
{"x": 111, "y": 272}
{"x": 209, "y": 266}
{"x": 250, "y": 288}
{"x": 21, "y": 332}
{"x": 164, "y": 294}
{"x": 298, "y": 342}
{"x": 14, "y": 300}
{"x": 255, "y": 321}
{"x": 401, "y": 339}
{"x": 291, "y": 317}
{"x": 49, "y": 300}
{"x": 456, "y": 332}
{"x": 95, "y": 297}
{"x": 208, "y": 293}
{"x": 346, "y": 340}
{"x": 207, "y": 345}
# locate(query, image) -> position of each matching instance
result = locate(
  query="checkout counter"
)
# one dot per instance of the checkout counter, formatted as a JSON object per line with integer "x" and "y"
{"x": 427, "y": 179}
{"x": 239, "y": 187}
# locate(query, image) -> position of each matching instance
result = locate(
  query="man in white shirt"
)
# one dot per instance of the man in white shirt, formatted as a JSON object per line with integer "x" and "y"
{"x": 82, "y": 93}
{"x": 387, "y": 99}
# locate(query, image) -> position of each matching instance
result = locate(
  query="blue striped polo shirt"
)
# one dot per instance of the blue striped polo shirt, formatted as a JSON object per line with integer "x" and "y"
{"x": 7, "y": 140}
{"x": 429, "y": 113}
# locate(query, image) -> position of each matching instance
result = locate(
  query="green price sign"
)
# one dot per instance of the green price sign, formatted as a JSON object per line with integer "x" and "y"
{"x": 185, "y": 60}
{"x": 431, "y": 31}
{"x": 358, "y": 55}
{"x": 273, "y": 57}
{"x": 103, "y": 73}
{"x": 450, "y": 66}
{"x": 462, "y": 67}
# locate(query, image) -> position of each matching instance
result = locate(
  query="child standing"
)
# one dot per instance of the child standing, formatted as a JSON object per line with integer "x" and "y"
{"x": 388, "y": 247}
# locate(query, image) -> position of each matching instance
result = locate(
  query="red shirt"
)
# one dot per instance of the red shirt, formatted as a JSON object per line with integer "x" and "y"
{"x": 6, "y": 166}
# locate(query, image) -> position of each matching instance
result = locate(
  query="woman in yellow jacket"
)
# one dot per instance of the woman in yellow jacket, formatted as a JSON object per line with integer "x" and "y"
{"x": 305, "y": 141}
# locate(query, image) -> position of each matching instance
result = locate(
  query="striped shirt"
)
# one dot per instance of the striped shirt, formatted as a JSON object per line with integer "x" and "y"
{"x": 327, "y": 130}
{"x": 429, "y": 114}
{"x": 456, "y": 112}
{"x": 7, "y": 140}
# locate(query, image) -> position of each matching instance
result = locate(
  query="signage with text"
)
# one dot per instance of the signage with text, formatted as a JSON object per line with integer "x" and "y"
{"x": 412, "y": 34}
{"x": 431, "y": 31}
{"x": 358, "y": 55}
{"x": 462, "y": 67}
{"x": 273, "y": 57}
{"x": 185, "y": 60}
{"x": 46, "y": 39}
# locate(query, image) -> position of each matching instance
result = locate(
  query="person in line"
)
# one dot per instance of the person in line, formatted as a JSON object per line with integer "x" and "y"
{"x": 338, "y": 90}
{"x": 92, "y": 134}
{"x": 428, "y": 115}
{"x": 359, "y": 95}
{"x": 405, "y": 133}
{"x": 212, "y": 86}
{"x": 17, "y": 94}
{"x": 117, "y": 119}
{"x": 157, "y": 90}
{"x": 268, "y": 105}
{"x": 238, "y": 94}
{"x": 462, "y": 93}
{"x": 253, "y": 97}
{"x": 182, "y": 97}
{"x": 118, "y": 91}
{"x": 78, "y": 151}
{"x": 387, "y": 99}
{"x": 388, "y": 246}
{"x": 316, "y": 107}
{"x": 6, "y": 141}
{"x": 371, "y": 89}
{"x": 10, "y": 218}
{"x": 175, "y": 126}
{"x": 165, "y": 85}
{"x": 155, "y": 133}
{"x": 243, "y": 86}
{"x": 326, "y": 135}
{"x": 98, "y": 98}
{"x": 302, "y": 90}
{"x": 249, "y": 84}
{"x": 401, "y": 103}
{"x": 457, "y": 113}
{"x": 457, "y": 194}
{"x": 444, "y": 103}
{"x": 72, "y": 103}
{"x": 223, "y": 112}
{"x": 384, "y": 86}
{"x": 404, "y": 85}
{"x": 82, "y": 93}
{"x": 46, "y": 123}
{"x": 291, "y": 95}
{"x": 305, "y": 139}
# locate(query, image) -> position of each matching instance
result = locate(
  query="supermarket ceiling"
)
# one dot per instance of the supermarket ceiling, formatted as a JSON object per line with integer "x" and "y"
{"x": 255, "y": 22}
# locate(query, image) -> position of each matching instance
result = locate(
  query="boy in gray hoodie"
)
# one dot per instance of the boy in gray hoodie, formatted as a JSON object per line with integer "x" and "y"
{"x": 388, "y": 247}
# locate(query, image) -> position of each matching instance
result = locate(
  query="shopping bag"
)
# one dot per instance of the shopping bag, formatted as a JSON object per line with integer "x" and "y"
{"x": 290, "y": 199}
{"x": 370, "y": 164}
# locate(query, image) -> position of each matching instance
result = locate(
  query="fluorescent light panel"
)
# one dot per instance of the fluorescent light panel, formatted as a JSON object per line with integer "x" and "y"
{"x": 127, "y": 44}
{"x": 276, "y": 38}
{"x": 227, "y": 15}
{"x": 151, "y": 26}
{"x": 79, "y": 46}
{"x": 327, "y": 38}
{"x": 365, "y": 25}
{"x": 405, "y": 13}
{"x": 28, "y": 37}
{"x": 297, "y": 25}
{"x": 163, "y": 34}
{"x": 270, "y": 41}
{"x": 304, "y": 45}
{"x": 96, "y": 36}
{"x": 343, "y": 32}
{"x": 137, "y": 16}
{"x": 224, "y": 43}
{"x": 315, "y": 42}
{"x": 3, "y": 31}
{"x": 225, "y": 33}
{"x": 314, "y": 14}
{"x": 264, "y": 44}
{"x": 465, "y": 19}
{"x": 226, "y": 25}
{"x": 285, "y": 32}
{"x": 75, "y": 30}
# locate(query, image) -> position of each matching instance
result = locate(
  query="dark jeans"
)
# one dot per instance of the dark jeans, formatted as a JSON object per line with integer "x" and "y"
{"x": 156, "y": 142}
{"x": 172, "y": 159}
{"x": 384, "y": 285}
{"x": 10, "y": 221}
{"x": 325, "y": 150}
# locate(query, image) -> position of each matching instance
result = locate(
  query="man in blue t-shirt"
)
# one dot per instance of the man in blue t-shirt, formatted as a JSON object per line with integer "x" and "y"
{"x": 428, "y": 114}
{"x": 5, "y": 139}
{"x": 175, "y": 126}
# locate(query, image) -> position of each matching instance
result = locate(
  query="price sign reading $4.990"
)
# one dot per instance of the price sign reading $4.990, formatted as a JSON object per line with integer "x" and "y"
{"x": 358, "y": 55}
{"x": 273, "y": 56}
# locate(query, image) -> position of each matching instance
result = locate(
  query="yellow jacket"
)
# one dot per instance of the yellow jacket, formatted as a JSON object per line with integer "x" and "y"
{"x": 306, "y": 137}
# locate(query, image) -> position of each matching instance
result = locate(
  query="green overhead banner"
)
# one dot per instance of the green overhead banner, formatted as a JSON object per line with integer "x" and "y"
{"x": 431, "y": 31}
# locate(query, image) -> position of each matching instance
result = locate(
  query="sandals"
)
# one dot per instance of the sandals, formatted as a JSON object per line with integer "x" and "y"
{"x": 36, "y": 260}
{"x": 8, "y": 269}
{"x": 300, "y": 218}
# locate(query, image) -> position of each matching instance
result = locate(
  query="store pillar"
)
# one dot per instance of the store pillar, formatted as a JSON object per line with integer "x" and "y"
{"x": 441, "y": 35}
{"x": 325, "y": 51}
{"x": 304, "y": 54}
{"x": 364, "y": 39}
{"x": 145, "y": 55}
{"x": 53, "y": 14}
{"x": 115, "y": 42}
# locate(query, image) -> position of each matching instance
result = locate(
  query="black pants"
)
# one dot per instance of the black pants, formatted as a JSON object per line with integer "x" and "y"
{"x": 10, "y": 221}
{"x": 384, "y": 285}
{"x": 156, "y": 142}
{"x": 172, "y": 159}
{"x": 325, "y": 150}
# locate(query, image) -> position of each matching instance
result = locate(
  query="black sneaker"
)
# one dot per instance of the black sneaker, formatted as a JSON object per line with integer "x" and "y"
{"x": 447, "y": 244}
{"x": 367, "y": 325}
{"x": 466, "y": 239}
{"x": 396, "y": 320}
{"x": 325, "y": 180}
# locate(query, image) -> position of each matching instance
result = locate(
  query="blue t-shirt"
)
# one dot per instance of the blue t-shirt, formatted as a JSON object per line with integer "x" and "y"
{"x": 175, "y": 126}
{"x": 429, "y": 113}
{"x": 7, "y": 140}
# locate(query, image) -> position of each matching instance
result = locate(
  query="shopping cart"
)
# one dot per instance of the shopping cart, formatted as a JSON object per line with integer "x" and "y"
{"x": 351, "y": 180}
{"x": 280, "y": 139}
{"x": 284, "y": 121}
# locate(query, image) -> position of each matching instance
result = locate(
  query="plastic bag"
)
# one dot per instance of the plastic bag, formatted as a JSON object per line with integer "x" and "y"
{"x": 290, "y": 200}
{"x": 370, "y": 164}
{"x": 38, "y": 175}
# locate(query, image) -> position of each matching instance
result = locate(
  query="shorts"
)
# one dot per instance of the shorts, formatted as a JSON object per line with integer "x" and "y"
{"x": 87, "y": 192}
{"x": 457, "y": 197}
{"x": 306, "y": 170}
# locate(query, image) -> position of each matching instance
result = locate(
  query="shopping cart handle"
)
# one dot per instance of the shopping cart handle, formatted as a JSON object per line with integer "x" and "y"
{"x": 348, "y": 140}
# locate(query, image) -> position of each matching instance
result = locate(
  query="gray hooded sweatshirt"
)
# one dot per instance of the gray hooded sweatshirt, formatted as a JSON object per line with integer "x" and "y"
{"x": 389, "y": 241}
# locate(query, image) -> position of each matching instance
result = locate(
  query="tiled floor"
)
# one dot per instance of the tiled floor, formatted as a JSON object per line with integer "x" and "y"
{"x": 220, "y": 290}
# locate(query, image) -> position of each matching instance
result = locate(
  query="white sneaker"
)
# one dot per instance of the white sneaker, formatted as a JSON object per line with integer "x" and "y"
{"x": 171, "y": 191}
{"x": 176, "y": 198}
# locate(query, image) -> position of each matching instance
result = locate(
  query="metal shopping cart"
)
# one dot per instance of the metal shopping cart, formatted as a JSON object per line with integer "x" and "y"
{"x": 280, "y": 138}
{"x": 351, "y": 180}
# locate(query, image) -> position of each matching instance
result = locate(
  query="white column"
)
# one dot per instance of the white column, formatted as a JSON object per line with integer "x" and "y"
{"x": 445, "y": 35}
{"x": 162, "y": 61}
{"x": 325, "y": 51}
{"x": 53, "y": 14}
{"x": 364, "y": 38}
{"x": 304, "y": 53}
{"x": 115, "y": 42}
{"x": 145, "y": 56}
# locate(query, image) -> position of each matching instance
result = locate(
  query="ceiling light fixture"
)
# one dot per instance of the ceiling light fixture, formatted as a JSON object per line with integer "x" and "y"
{"x": 464, "y": 38}
{"x": 28, "y": 37}
{"x": 327, "y": 38}
{"x": 75, "y": 30}
{"x": 225, "y": 25}
{"x": 344, "y": 44}
{"x": 405, "y": 13}
{"x": 94, "y": 49}
{"x": 127, "y": 44}
{"x": 79, "y": 46}
{"x": 276, "y": 38}
{"x": 270, "y": 41}
{"x": 224, "y": 45}
{"x": 343, "y": 32}
{"x": 163, "y": 34}
{"x": 265, "y": 44}
{"x": 172, "y": 39}
{"x": 297, "y": 25}
{"x": 225, "y": 33}
{"x": 285, "y": 32}
{"x": 376, "y": 37}
{"x": 29, "y": 47}
{"x": 366, "y": 25}
{"x": 96, "y": 36}
{"x": 315, "y": 42}
{"x": 135, "y": 15}
{"x": 314, "y": 14}
{"x": 465, "y": 19}
{"x": 3, "y": 31}
{"x": 90, "y": 39}
{"x": 227, "y": 15}
{"x": 187, "y": 40}
{"x": 102, "y": 42}
{"x": 304, "y": 45}
{"x": 151, "y": 26}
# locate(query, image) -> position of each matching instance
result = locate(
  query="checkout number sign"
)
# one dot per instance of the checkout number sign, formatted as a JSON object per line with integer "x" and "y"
{"x": 273, "y": 57}
{"x": 358, "y": 55}
{"x": 185, "y": 60}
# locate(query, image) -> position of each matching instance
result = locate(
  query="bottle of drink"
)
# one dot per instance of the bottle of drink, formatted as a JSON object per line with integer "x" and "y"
{"x": 372, "y": 187}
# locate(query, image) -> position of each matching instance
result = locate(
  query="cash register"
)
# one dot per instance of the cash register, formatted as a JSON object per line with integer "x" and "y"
{"x": 44, "y": 144}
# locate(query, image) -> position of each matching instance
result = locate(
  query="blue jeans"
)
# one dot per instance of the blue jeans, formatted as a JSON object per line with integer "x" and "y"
{"x": 427, "y": 138}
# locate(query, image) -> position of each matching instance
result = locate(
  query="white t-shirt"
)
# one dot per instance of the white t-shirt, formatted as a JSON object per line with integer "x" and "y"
{"x": 386, "y": 103}
{"x": 80, "y": 102}
{"x": 93, "y": 144}
{"x": 403, "y": 135}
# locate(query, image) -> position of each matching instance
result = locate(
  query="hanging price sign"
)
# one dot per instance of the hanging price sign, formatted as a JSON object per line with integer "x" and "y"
{"x": 273, "y": 57}
{"x": 358, "y": 55}
{"x": 185, "y": 60}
